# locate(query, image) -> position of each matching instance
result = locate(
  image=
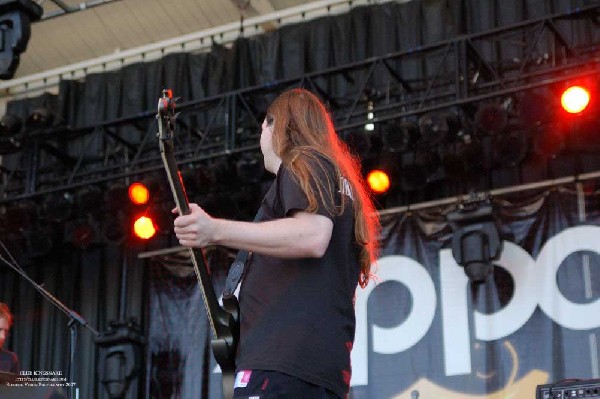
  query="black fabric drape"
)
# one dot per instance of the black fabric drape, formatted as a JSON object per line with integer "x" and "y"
{"x": 87, "y": 281}
{"x": 179, "y": 362}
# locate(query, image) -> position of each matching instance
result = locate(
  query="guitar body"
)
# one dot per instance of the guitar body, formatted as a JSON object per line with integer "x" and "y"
{"x": 224, "y": 321}
{"x": 224, "y": 347}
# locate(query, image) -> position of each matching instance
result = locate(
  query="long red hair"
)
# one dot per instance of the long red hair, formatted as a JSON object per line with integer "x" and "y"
{"x": 303, "y": 137}
{"x": 6, "y": 314}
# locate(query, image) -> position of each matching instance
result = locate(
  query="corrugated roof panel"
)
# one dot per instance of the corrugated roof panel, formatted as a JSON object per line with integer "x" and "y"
{"x": 126, "y": 24}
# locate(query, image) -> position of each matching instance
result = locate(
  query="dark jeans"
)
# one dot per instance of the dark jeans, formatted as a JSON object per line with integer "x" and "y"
{"x": 265, "y": 384}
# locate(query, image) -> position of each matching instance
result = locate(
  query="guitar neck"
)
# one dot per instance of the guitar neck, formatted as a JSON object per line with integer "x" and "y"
{"x": 216, "y": 315}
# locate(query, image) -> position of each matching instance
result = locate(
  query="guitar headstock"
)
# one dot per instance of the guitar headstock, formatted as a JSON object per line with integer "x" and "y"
{"x": 166, "y": 115}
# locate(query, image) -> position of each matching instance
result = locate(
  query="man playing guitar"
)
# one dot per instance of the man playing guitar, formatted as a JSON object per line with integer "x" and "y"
{"x": 315, "y": 241}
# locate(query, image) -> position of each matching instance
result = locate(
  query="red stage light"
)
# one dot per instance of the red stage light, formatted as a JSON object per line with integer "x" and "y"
{"x": 144, "y": 228}
{"x": 139, "y": 193}
{"x": 379, "y": 181}
{"x": 575, "y": 99}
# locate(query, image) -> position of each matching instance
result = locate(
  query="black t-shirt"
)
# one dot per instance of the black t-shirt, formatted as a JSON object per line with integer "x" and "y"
{"x": 9, "y": 362}
{"x": 297, "y": 315}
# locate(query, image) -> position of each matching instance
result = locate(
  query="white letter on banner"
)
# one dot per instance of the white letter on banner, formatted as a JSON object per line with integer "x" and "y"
{"x": 455, "y": 319}
{"x": 413, "y": 275}
{"x": 566, "y": 313}
{"x": 514, "y": 315}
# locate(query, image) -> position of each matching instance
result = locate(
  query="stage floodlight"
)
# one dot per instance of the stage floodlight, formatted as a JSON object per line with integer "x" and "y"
{"x": 250, "y": 168}
{"x": 491, "y": 118}
{"x": 434, "y": 128}
{"x": 575, "y": 99}
{"x": 535, "y": 107}
{"x": 361, "y": 143}
{"x": 139, "y": 194}
{"x": 115, "y": 228}
{"x": 476, "y": 239}
{"x": 549, "y": 142}
{"x": 222, "y": 172}
{"x": 116, "y": 197}
{"x": 416, "y": 174}
{"x": 82, "y": 233}
{"x": 89, "y": 200}
{"x": 39, "y": 240}
{"x": 57, "y": 207}
{"x": 378, "y": 181}
{"x": 144, "y": 227}
{"x": 465, "y": 161}
{"x": 10, "y": 127}
{"x": 510, "y": 149}
{"x": 40, "y": 118}
{"x": 15, "y": 18}
{"x": 20, "y": 216}
{"x": 399, "y": 136}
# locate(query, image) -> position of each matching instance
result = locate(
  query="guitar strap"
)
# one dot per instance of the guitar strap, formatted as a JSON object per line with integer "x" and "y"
{"x": 238, "y": 267}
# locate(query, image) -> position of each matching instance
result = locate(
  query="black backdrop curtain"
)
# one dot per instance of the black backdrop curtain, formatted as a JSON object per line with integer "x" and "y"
{"x": 87, "y": 280}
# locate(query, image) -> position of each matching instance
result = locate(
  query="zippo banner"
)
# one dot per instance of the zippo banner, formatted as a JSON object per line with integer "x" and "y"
{"x": 423, "y": 332}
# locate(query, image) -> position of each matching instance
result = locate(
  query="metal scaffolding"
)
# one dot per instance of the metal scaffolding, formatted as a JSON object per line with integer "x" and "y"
{"x": 468, "y": 69}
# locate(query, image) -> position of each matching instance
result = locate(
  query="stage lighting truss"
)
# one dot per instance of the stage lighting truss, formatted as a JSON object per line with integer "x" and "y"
{"x": 469, "y": 69}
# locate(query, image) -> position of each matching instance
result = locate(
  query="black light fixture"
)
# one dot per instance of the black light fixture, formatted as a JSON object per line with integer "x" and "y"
{"x": 39, "y": 240}
{"x": 399, "y": 136}
{"x": 417, "y": 173}
{"x": 57, "y": 207}
{"x": 250, "y": 168}
{"x": 10, "y": 126}
{"x": 222, "y": 173}
{"x": 438, "y": 127}
{"x": 491, "y": 118}
{"x": 510, "y": 148}
{"x": 465, "y": 161}
{"x": 116, "y": 197}
{"x": 115, "y": 228}
{"x": 535, "y": 107}
{"x": 476, "y": 240}
{"x": 89, "y": 200}
{"x": 549, "y": 141}
{"x": 15, "y": 19}
{"x": 20, "y": 216}
{"x": 434, "y": 128}
{"x": 40, "y": 118}
{"x": 361, "y": 143}
{"x": 82, "y": 233}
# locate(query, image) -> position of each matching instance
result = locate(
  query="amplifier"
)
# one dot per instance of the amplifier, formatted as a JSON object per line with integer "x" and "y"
{"x": 569, "y": 389}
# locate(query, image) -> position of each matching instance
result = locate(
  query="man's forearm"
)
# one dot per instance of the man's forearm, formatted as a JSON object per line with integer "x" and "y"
{"x": 302, "y": 235}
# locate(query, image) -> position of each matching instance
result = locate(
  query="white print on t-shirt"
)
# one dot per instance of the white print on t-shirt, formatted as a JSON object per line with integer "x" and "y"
{"x": 346, "y": 188}
{"x": 242, "y": 378}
